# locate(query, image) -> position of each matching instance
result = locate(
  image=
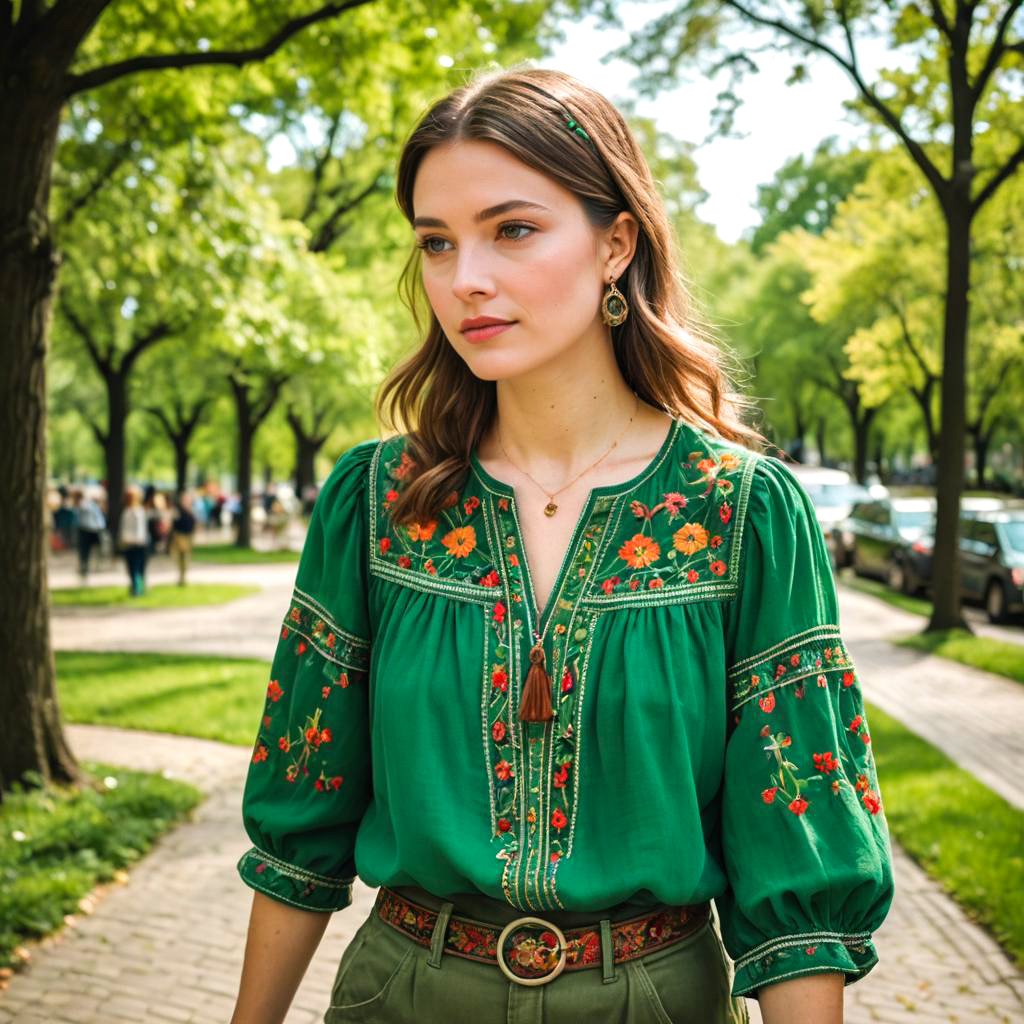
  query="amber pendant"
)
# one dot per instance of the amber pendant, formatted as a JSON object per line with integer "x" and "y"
{"x": 550, "y": 508}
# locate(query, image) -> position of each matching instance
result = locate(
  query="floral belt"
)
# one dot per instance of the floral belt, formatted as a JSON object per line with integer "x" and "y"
{"x": 532, "y": 951}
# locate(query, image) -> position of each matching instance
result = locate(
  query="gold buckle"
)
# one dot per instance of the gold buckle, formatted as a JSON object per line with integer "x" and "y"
{"x": 533, "y": 952}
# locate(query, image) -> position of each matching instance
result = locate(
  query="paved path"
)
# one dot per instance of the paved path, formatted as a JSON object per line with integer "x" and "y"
{"x": 178, "y": 925}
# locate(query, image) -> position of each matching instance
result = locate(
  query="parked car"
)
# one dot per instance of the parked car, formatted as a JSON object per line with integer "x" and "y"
{"x": 992, "y": 561}
{"x": 890, "y": 538}
{"x": 834, "y": 493}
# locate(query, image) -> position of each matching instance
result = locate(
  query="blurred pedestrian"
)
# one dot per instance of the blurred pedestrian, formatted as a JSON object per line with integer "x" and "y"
{"x": 183, "y": 528}
{"x": 65, "y": 518}
{"x": 91, "y": 524}
{"x": 157, "y": 520}
{"x": 134, "y": 541}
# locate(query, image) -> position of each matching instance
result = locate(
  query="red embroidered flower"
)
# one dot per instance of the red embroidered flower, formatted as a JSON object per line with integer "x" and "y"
{"x": 549, "y": 940}
{"x": 786, "y": 741}
{"x": 871, "y": 801}
{"x": 562, "y": 776}
{"x": 716, "y": 540}
{"x": 492, "y": 579}
{"x": 810, "y": 950}
{"x": 284, "y": 632}
{"x": 767, "y": 702}
{"x": 319, "y": 785}
{"x": 430, "y": 567}
{"x": 503, "y": 769}
{"x": 499, "y": 680}
{"x": 385, "y": 545}
{"x": 798, "y": 806}
{"x": 718, "y": 567}
{"x": 566, "y": 681}
{"x": 825, "y": 762}
{"x": 555, "y": 856}
{"x": 822, "y": 681}
{"x": 558, "y": 819}
{"x": 655, "y": 583}
{"x": 768, "y": 795}
{"x": 855, "y": 724}
{"x": 470, "y": 504}
{"x": 503, "y": 504}
{"x": 295, "y": 615}
{"x": 266, "y": 721}
{"x": 799, "y": 692}
{"x": 343, "y": 679}
{"x": 284, "y": 744}
{"x": 633, "y": 584}
{"x": 794, "y": 659}
{"x": 325, "y": 735}
{"x": 848, "y": 679}
{"x": 862, "y": 782}
{"x": 337, "y": 781}
{"x": 404, "y": 561}
{"x": 313, "y": 736}
{"x": 725, "y": 512}
{"x": 274, "y": 691}
{"x": 499, "y": 612}
{"x": 609, "y": 584}
{"x": 260, "y": 754}
{"x": 325, "y": 692}
{"x": 504, "y": 824}
{"x": 513, "y": 560}
{"x": 498, "y": 731}
{"x": 780, "y": 670}
{"x": 692, "y": 576}
{"x": 766, "y": 731}
{"x": 301, "y": 647}
{"x": 865, "y": 737}
{"x": 330, "y": 641}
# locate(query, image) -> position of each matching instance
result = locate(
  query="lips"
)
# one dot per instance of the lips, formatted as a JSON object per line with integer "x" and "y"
{"x": 474, "y": 323}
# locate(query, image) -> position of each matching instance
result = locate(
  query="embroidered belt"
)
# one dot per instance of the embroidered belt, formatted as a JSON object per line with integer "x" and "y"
{"x": 532, "y": 951}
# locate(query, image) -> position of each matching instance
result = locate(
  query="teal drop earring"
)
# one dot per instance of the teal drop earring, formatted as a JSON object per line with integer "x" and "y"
{"x": 614, "y": 308}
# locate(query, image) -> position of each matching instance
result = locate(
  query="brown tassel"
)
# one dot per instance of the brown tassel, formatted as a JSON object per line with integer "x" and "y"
{"x": 535, "y": 705}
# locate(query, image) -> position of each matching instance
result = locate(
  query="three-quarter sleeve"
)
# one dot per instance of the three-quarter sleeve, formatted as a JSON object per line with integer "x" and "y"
{"x": 309, "y": 779}
{"x": 805, "y": 842}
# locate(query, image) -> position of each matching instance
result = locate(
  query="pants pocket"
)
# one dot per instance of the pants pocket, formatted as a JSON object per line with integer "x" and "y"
{"x": 366, "y": 973}
{"x": 688, "y": 983}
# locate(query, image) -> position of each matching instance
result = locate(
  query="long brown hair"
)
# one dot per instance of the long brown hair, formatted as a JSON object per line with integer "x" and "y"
{"x": 665, "y": 350}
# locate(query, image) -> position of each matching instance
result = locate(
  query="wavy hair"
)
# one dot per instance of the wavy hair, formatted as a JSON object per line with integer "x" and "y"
{"x": 665, "y": 350}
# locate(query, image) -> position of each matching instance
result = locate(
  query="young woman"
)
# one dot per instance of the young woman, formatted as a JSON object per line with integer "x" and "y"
{"x": 562, "y": 664}
{"x": 135, "y": 539}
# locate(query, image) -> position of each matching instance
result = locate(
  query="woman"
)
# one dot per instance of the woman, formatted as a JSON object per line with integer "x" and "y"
{"x": 562, "y": 664}
{"x": 135, "y": 539}
{"x": 183, "y": 528}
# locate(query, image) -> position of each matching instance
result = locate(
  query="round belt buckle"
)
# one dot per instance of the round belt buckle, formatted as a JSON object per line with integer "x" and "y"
{"x": 537, "y": 951}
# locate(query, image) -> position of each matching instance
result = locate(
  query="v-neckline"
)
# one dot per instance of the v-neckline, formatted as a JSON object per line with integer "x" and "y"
{"x": 542, "y": 618}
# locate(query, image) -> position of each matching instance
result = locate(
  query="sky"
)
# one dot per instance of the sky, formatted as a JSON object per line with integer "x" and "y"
{"x": 779, "y": 121}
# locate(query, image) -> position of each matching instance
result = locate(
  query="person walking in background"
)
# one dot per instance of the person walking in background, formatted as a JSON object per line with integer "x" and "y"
{"x": 183, "y": 529}
{"x": 91, "y": 524}
{"x": 157, "y": 519}
{"x": 134, "y": 541}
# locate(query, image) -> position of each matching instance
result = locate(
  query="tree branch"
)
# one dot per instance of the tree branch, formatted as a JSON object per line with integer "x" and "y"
{"x": 996, "y": 51}
{"x": 74, "y": 84}
{"x": 919, "y": 156}
{"x": 328, "y": 231}
{"x": 101, "y": 360}
{"x": 119, "y": 157}
{"x": 319, "y": 167}
{"x": 146, "y": 340}
{"x": 997, "y": 179}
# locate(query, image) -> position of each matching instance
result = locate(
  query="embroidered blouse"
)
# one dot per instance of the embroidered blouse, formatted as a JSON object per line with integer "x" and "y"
{"x": 709, "y": 738}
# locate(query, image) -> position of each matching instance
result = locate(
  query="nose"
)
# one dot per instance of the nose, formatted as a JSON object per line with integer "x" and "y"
{"x": 472, "y": 275}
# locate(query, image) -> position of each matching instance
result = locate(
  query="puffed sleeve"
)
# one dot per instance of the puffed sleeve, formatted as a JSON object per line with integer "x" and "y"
{"x": 805, "y": 840}
{"x": 308, "y": 781}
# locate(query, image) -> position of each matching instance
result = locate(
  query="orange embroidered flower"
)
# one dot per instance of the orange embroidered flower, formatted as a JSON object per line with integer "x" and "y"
{"x": 260, "y": 754}
{"x": 503, "y": 504}
{"x": 284, "y": 744}
{"x": 404, "y": 466}
{"x": 655, "y": 583}
{"x": 513, "y": 559}
{"x": 343, "y": 679}
{"x": 640, "y": 551}
{"x": 728, "y": 460}
{"x": 718, "y": 567}
{"x": 422, "y": 531}
{"x": 707, "y": 465}
{"x": 274, "y": 690}
{"x": 862, "y": 782}
{"x": 690, "y": 537}
{"x": 460, "y": 541}
{"x": 692, "y": 576}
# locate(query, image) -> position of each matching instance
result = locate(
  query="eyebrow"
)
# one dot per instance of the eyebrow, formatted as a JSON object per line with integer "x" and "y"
{"x": 479, "y": 218}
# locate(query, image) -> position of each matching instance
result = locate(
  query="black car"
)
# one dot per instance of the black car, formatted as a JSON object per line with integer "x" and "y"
{"x": 885, "y": 540}
{"x": 992, "y": 561}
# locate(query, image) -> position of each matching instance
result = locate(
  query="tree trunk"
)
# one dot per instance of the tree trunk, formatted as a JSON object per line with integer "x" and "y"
{"x": 31, "y": 738}
{"x": 950, "y": 477}
{"x": 114, "y": 449}
{"x": 180, "y": 463}
{"x": 820, "y": 439}
{"x": 243, "y": 410}
{"x": 860, "y": 420}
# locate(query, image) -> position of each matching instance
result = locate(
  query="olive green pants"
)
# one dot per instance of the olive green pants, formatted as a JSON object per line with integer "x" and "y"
{"x": 386, "y": 978}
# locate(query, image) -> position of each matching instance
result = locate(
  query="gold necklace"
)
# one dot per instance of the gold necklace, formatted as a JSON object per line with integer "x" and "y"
{"x": 551, "y": 508}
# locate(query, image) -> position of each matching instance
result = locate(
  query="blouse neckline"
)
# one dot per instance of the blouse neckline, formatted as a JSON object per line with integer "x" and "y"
{"x": 508, "y": 490}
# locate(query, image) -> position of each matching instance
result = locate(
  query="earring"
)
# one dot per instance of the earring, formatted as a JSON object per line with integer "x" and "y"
{"x": 614, "y": 308}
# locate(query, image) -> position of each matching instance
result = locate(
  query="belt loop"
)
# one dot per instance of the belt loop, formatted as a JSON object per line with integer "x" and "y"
{"x": 437, "y": 937}
{"x": 607, "y": 952}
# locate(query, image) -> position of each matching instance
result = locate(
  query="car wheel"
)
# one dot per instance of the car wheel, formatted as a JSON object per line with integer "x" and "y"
{"x": 995, "y": 602}
{"x": 896, "y": 577}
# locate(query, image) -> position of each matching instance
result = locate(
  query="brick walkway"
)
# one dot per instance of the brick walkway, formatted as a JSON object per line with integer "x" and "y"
{"x": 178, "y": 924}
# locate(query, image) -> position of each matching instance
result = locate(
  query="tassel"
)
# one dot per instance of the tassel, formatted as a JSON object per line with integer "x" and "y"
{"x": 535, "y": 705}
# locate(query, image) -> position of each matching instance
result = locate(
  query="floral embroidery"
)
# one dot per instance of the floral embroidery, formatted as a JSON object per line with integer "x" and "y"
{"x": 309, "y": 622}
{"x": 793, "y": 955}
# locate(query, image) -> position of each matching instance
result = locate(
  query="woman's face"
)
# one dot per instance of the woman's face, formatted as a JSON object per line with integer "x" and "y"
{"x": 541, "y": 266}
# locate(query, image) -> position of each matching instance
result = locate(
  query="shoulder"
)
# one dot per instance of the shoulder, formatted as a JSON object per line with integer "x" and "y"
{"x": 347, "y": 482}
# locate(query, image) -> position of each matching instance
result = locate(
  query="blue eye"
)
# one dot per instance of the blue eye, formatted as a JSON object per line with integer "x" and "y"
{"x": 425, "y": 244}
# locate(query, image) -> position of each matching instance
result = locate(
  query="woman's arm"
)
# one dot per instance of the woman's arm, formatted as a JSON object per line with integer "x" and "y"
{"x": 812, "y": 999}
{"x": 279, "y": 946}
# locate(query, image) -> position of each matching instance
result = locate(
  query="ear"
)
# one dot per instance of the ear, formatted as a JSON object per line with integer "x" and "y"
{"x": 620, "y": 244}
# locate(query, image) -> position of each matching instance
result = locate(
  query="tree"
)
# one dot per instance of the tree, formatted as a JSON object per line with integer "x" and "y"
{"x": 960, "y": 107}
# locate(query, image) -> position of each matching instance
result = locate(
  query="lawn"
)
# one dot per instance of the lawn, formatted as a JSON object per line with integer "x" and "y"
{"x": 229, "y": 554}
{"x": 57, "y": 843}
{"x": 158, "y": 595}
{"x": 190, "y": 695}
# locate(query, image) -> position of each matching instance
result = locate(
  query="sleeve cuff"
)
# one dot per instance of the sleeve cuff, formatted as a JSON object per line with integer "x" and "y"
{"x": 293, "y": 885}
{"x": 793, "y": 956}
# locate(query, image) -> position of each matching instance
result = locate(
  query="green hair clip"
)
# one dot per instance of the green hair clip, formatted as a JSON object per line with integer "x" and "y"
{"x": 574, "y": 126}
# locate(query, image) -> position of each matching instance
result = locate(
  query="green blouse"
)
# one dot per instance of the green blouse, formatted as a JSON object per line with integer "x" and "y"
{"x": 709, "y": 738}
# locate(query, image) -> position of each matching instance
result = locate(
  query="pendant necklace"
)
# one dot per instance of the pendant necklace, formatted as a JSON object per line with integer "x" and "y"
{"x": 551, "y": 508}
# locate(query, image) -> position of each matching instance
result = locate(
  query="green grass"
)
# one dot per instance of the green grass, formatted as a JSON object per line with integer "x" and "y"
{"x": 159, "y": 595}
{"x": 998, "y": 656}
{"x": 965, "y": 836}
{"x": 876, "y": 588}
{"x": 57, "y": 843}
{"x": 229, "y": 554}
{"x": 190, "y": 695}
